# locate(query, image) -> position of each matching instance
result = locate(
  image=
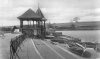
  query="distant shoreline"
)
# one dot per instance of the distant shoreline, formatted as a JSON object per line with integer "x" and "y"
{"x": 78, "y": 30}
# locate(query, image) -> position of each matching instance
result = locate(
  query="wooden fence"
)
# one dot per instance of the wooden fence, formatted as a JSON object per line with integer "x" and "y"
{"x": 15, "y": 45}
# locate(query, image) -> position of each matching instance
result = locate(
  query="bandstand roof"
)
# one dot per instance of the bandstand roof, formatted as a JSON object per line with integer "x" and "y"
{"x": 29, "y": 14}
{"x": 39, "y": 12}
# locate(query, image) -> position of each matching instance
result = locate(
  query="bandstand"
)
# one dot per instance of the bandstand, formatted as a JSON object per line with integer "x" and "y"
{"x": 35, "y": 26}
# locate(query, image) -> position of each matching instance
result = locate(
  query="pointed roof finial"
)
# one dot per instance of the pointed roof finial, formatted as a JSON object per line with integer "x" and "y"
{"x": 39, "y": 12}
{"x": 38, "y": 5}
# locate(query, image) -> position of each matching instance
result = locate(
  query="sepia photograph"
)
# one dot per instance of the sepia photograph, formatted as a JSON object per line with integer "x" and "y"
{"x": 49, "y": 29}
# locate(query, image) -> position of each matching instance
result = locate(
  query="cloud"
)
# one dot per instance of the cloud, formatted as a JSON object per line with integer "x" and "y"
{"x": 24, "y": 3}
{"x": 54, "y": 10}
{"x": 66, "y": 14}
{"x": 5, "y": 3}
{"x": 12, "y": 13}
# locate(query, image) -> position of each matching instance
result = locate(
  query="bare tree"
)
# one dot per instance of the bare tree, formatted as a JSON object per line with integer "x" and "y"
{"x": 74, "y": 21}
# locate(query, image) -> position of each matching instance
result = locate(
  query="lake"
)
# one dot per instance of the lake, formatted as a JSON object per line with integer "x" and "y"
{"x": 84, "y": 35}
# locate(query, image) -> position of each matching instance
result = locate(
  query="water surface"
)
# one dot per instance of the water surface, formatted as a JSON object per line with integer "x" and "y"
{"x": 84, "y": 35}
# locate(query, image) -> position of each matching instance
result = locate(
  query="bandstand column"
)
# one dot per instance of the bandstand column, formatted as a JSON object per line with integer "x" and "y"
{"x": 33, "y": 26}
{"x": 21, "y": 25}
{"x": 44, "y": 29}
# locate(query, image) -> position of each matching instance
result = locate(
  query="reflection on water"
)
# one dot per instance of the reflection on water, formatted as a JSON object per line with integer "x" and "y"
{"x": 85, "y": 35}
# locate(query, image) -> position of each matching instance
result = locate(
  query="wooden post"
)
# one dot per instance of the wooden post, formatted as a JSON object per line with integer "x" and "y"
{"x": 36, "y": 28}
{"x": 33, "y": 23}
{"x": 41, "y": 28}
{"x": 33, "y": 27}
{"x": 44, "y": 29}
{"x": 21, "y": 25}
{"x": 28, "y": 23}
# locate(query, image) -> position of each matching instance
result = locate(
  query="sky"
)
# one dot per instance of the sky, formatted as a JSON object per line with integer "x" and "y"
{"x": 55, "y": 11}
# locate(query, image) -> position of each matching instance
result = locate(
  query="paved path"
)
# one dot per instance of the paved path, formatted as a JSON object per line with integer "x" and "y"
{"x": 28, "y": 51}
{"x": 46, "y": 51}
{"x": 36, "y": 49}
{"x": 63, "y": 52}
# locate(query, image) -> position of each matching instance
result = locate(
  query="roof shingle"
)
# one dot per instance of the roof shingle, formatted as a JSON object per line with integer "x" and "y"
{"x": 39, "y": 12}
{"x": 29, "y": 14}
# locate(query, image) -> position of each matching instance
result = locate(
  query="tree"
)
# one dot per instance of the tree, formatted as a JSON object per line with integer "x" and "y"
{"x": 74, "y": 21}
